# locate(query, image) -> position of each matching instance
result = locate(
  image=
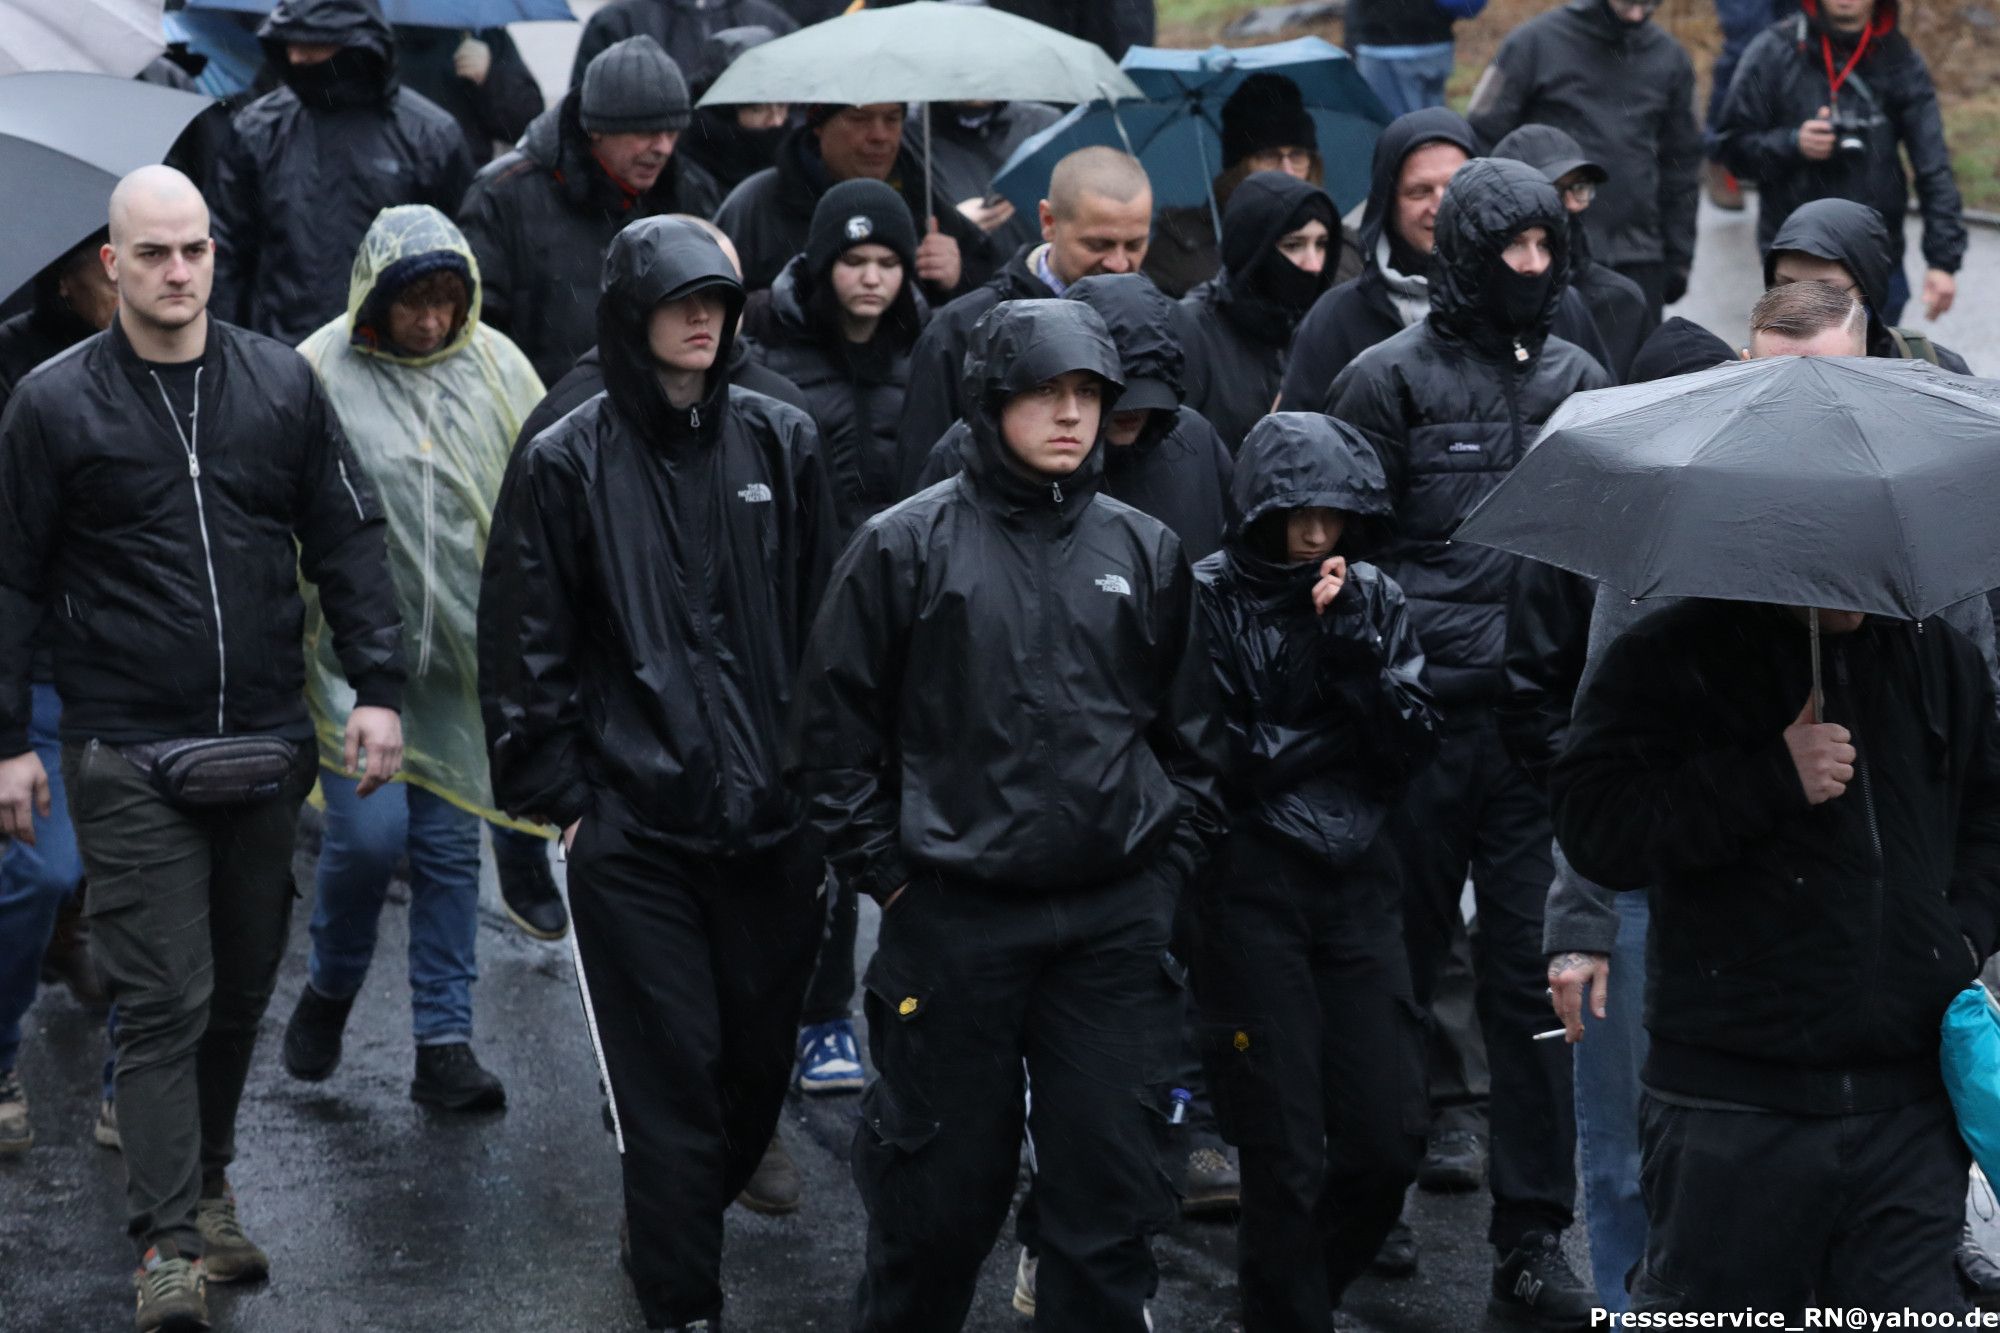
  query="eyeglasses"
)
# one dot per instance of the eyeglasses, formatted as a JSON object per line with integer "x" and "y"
{"x": 1581, "y": 192}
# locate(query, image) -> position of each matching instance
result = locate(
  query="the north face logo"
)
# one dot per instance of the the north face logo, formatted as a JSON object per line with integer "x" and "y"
{"x": 1115, "y": 583}
{"x": 859, "y": 228}
{"x": 756, "y": 493}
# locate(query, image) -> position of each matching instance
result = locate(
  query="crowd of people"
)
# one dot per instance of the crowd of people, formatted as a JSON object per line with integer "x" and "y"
{"x": 768, "y": 522}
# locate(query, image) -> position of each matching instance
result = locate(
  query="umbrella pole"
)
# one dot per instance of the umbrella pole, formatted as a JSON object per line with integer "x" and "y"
{"x": 1818, "y": 694}
{"x": 930, "y": 199}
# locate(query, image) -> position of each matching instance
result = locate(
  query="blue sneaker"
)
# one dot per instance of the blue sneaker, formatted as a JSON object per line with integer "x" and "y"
{"x": 829, "y": 1060}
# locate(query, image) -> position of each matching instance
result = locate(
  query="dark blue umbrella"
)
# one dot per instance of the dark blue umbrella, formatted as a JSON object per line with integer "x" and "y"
{"x": 1177, "y": 132}
{"x": 469, "y": 14}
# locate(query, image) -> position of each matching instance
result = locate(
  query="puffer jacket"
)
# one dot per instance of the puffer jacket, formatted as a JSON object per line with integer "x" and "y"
{"x": 1328, "y": 714}
{"x": 1782, "y": 83}
{"x": 540, "y": 219}
{"x": 649, "y": 583}
{"x": 681, "y": 27}
{"x": 855, "y": 394}
{"x": 1451, "y": 405}
{"x": 1178, "y": 469}
{"x": 312, "y": 163}
{"x": 1855, "y": 237}
{"x": 1007, "y": 681}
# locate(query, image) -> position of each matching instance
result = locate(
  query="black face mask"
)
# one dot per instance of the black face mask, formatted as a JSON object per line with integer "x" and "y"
{"x": 350, "y": 78}
{"x": 1513, "y": 300}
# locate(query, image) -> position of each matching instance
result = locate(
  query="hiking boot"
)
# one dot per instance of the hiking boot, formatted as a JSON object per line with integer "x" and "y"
{"x": 528, "y": 891}
{"x": 227, "y": 1254}
{"x": 1454, "y": 1162}
{"x": 1398, "y": 1255}
{"x": 774, "y": 1186}
{"x": 67, "y": 959}
{"x": 1212, "y": 1182}
{"x": 105, "y": 1128}
{"x": 1024, "y": 1283}
{"x": 1535, "y": 1285}
{"x": 17, "y": 1135}
{"x": 829, "y": 1059}
{"x": 172, "y": 1292}
{"x": 450, "y": 1076}
{"x": 312, "y": 1037}
{"x": 1978, "y": 1274}
{"x": 1724, "y": 190}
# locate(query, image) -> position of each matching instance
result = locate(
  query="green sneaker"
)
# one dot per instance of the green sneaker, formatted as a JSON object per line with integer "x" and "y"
{"x": 228, "y": 1254}
{"x": 172, "y": 1293}
{"x": 16, "y": 1134}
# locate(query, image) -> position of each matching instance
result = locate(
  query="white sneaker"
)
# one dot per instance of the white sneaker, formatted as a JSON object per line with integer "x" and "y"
{"x": 1024, "y": 1284}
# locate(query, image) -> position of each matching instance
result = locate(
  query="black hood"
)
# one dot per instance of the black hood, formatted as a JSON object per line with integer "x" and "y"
{"x": 1140, "y": 318}
{"x": 52, "y": 315}
{"x": 1851, "y": 235}
{"x": 1292, "y": 460}
{"x": 363, "y": 73}
{"x": 1489, "y": 203}
{"x": 1266, "y": 294}
{"x": 660, "y": 259}
{"x": 1555, "y": 154}
{"x": 1015, "y": 346}
{"x": 1405, "y": 135}
{"x": 1678, "y": 347}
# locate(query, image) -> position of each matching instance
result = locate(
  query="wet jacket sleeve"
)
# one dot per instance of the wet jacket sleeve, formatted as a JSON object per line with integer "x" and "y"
{"x": 1756, "y": 135}
{"x": 1187, "y": 736}
{"x": 30, "y": 511}
{"x": 1920, "y": 125}
{"x": 841, "y": 747}
{"x": 1388, "y": 698}
{"x": 530, "y": 695}
{"x": 1680, "y": 175}
{"x": 1500, "y": 99}
{"x": 1365, "y": 398}
{"x": 344, "y": 553}
{"x": 1548, "y": 638}
{"x": 1634, "y": 802}
{"x": 233, "y": 204}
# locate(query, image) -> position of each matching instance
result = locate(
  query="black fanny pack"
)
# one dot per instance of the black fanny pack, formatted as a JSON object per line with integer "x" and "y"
{"x": 223, "y": 770}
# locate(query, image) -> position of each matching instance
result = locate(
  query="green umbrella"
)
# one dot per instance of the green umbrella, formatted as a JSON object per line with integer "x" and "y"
{"x": 923, "y": 52}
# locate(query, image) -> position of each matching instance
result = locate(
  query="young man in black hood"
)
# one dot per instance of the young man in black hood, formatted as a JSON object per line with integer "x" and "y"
{"x": 1005, "y": 721}
{"x": 1237, "y": 327}
{"x": 656, "y": 558}
{"x": 1847, "y": 245}
{"x": 1414, "y": 161}
{"x": 1451, "y": 405}
{"x": 541, "y": 217}
{"x": 313, "y": 162}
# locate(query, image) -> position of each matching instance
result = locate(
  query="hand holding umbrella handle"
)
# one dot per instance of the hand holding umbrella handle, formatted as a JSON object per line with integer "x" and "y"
{"x": 1822, "y": 752}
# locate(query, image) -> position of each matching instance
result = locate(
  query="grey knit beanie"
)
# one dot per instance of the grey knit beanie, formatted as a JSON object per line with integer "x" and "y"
{"x": 634, "y": 87}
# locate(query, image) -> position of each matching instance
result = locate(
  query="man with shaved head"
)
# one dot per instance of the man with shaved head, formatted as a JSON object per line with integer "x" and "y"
{"x": 1097, "y": 219}
{"x": 162, "y": 487}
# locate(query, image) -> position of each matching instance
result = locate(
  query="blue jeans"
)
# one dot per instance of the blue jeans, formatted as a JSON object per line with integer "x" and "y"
{"x": 1406, "y": 78}
{"x": 34, "y": 882}
{"x": 357, "y": 857}
{"x": 1608, "y": 1060}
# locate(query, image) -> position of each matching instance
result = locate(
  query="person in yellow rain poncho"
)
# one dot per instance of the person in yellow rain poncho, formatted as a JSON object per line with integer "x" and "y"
{"x": 431, "y": 402}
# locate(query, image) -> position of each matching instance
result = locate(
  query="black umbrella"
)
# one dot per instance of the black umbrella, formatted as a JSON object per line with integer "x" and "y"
{"x": 1847, "y": 483}
{"x": 65, "y": 139}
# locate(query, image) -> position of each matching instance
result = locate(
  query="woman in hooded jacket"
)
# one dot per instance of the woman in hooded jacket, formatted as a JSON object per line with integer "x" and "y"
{"x": 1237, "y": 327}
{"x": 1310, "y": 1037}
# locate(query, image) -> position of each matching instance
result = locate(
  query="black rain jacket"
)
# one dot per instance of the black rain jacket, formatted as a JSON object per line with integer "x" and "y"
{"x": 312, "y": 163}
{"x": 1356, "y": 315}
{"x": 1178, "y": 469}
{"x": 540, "y": 219}
{"x": 648, "y": 585}
{"x": 681, "y": 27}
{"x": 585, "y": 381}
{"x": 1855, "y": 237}
{"x": 1782, "y": 83}
{"x": 1451, "y": 405}
{"x": 769, "y": 214}
{"x": 855, "y": 394}
{"x": 1801, "y": 957}
{"x": 1626, "y": 93}
{"x": 171, "y": 566}
{"x": 1238, "y": 337}
{"x": 497, "y": 111}
{"x": 1328, "y": 714}
{"x": 1007, "y": 681}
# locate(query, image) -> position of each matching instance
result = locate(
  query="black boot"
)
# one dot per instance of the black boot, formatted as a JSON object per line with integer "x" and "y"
{"x": 1534, "y": 1284}
{"x": 528, "y": 889}
{"x": 312, "y": 1038}
{"x": 1398, "y": 1255}
{"x": 1454, "y": 1162}
{"x": 450, "y": 1076}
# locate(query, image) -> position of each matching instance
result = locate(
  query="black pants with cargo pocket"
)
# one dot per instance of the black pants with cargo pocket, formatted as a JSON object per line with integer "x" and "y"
{"x": 692, "y": 972}
{"x": 1315, "y": 1057}
{"x": 969, "y": 987}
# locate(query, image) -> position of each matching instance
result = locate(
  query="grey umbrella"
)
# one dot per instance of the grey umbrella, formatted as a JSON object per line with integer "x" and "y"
{"x": 115, "y": 37}
{"x": 65, "y": 139}
{"x": 1845, "y": 483}
{"x": 923, "y": 52}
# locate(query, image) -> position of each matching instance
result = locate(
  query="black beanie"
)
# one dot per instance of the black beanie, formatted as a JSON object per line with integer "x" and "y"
{"x": 857, "y": 212}
{"x": 633, "y": 87}
{"x": 1266, "y": 111}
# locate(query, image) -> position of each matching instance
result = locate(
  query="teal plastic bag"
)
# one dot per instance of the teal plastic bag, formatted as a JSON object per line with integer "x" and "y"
{"x": 1970, "y": 1055}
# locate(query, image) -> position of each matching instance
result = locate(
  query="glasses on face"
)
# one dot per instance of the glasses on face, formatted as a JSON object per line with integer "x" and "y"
{"x": 1581, "y": 192}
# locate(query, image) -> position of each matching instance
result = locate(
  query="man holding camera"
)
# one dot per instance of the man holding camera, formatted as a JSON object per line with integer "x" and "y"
{"x": 1824, "y": 105}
